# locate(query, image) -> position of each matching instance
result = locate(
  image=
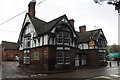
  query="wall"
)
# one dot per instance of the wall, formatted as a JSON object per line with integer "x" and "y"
{"x": 92, "y": 57}
{"x": 8, "y": 55}
{"x": 47, "y": 58}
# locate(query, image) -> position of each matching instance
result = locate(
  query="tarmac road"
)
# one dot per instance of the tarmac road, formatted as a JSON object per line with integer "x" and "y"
{"x": 10, "y": 70}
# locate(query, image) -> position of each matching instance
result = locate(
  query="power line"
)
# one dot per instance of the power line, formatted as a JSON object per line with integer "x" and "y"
{"x": 9, "y": 31}
{"x": 13, "y": 17}
{"x": 17, "y": 15}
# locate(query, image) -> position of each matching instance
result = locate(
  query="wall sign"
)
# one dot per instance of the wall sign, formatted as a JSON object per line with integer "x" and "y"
{"x": 91, "y": 43}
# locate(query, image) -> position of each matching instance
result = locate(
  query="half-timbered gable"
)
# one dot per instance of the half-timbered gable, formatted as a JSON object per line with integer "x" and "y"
{"x": 50, "y": 44}
{"x": 92, "y": 45}
{"x": 96, "y": 36}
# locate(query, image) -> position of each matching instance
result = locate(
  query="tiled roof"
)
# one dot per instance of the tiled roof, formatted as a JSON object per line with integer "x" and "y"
{"x": 9, "y": 45}
{"x": 42, "y": 27}
{"x": 86, "y": 36}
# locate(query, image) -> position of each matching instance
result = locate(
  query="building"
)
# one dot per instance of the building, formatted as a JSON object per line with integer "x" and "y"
{"x": 53, "y": 45}
{"x": 9, "y": 51}
{"x": 47, "y": 45}
{"x": 91, "y": 46}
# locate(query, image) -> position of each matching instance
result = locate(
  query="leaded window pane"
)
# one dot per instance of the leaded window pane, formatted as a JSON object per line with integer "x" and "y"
{"x": 63, "y": 57}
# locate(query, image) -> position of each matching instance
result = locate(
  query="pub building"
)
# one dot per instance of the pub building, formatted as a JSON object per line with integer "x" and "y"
{"x": 56, "y": 45}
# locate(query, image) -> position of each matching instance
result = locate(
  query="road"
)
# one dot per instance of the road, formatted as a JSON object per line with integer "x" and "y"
{"x": 10, "y": 70}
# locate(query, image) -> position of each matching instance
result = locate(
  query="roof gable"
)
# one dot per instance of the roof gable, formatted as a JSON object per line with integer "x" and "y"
{"x": 63, "y": 19}
{"x": 41, "y": 27}
{"x": 49, "y": 25}
{"x": 9, "y": 45}
{"x": 88, "y": 35}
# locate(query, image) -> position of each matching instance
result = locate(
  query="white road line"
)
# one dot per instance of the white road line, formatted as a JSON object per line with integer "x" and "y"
{"x": 114, "y": 75}
{"x": 103, "y": 77}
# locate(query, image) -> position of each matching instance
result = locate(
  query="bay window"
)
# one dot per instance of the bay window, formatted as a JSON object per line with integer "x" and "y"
{"x": 63, "y": 38}
{"x": 63, "y": 57}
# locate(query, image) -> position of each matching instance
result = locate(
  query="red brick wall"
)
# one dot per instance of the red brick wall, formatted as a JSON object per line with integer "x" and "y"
{"x": 8, "y": 55}
{"x": 92, "y": 57}
{"x": 48, "y": 58}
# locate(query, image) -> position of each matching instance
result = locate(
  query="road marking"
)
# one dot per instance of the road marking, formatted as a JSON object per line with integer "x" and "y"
{"x": 103, "y": 77}
{"x": 115, "y": 75}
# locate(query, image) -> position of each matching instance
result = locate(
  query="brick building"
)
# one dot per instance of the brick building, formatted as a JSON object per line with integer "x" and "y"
{"x": 91, "y": 46}
{"x": 51, "y": 45}
{"x": 9, "y": 51}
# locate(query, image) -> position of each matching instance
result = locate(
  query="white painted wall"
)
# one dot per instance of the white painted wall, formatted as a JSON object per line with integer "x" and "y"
{"x": 83, "y": 46}
{"x": 45, "y": 39}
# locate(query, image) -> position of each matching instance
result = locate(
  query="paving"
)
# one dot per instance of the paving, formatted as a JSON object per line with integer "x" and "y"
{"x": 11, "y": 70}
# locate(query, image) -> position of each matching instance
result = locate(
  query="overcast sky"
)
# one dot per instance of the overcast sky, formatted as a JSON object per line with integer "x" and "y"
{"x": 84, "y": 12}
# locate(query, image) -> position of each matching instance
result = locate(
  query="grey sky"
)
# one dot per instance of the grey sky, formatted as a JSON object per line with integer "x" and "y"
{"x": 84, "y": 12}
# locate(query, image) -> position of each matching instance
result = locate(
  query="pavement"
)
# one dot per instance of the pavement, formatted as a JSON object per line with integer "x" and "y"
{"x": 11, "y": 70}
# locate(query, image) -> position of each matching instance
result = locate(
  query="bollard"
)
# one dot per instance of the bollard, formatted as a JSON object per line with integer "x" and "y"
{"x": 117, "y": 63}
{"x": 110, "y": 64}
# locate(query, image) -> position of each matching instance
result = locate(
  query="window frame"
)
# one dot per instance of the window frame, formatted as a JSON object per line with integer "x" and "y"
{"x": 61, "y": 38}
{"x": 64, "y": 59}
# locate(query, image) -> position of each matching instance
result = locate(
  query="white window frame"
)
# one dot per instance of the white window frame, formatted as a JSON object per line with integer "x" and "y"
{"x": 62, "y": 58}
{"x": 67, "y": 38}
{"x": 59, "y": 37}
{"x": 26, "y": 57}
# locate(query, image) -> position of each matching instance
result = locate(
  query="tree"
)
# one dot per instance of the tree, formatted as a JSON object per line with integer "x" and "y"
{"x": 114, "y": 48}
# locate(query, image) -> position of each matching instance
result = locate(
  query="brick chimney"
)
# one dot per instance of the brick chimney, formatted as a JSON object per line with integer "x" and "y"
{"x": 82, "y": 28}
{"x": 72, "y": 22}
{"x": 31, "y": 8}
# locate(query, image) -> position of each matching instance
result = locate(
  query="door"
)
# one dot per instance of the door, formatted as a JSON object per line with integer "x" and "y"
{"x": 83, "y": 59}
{"x": 77, "y": 60}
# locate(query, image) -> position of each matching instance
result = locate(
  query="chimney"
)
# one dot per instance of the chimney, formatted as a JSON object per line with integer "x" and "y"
{"x": 82, "y": 28}
{"x": 31, "y": 8}
{"x": 72, "y": 22}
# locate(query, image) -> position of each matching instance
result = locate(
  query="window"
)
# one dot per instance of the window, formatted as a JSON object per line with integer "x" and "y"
{"x": 63, "y": 37}
{"x": 27, "y": 42}
{"x": 36, "y": 55}
{"x": 66, "y": 38}
{"x": 60, "y": 38}
{"x": 63, "y": 57}
{"x": 60, "y": 57}
{"x": 26, "y": 57}
{"x": 67, "y": 58}
{"x": 100, "y": 56}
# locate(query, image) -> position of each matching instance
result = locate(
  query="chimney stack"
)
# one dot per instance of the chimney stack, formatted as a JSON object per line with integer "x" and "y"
{"x": 72, "y": 22}
{"x": 31, "y": 8}
{"x": 82, "y": 28}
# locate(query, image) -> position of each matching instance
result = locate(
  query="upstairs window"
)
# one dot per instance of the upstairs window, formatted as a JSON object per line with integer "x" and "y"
{"x": 63, "y": 38}
{"x": 60, "y": 38}
{"x": 27, "y": 42}
{"x": 66, "y": 38}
